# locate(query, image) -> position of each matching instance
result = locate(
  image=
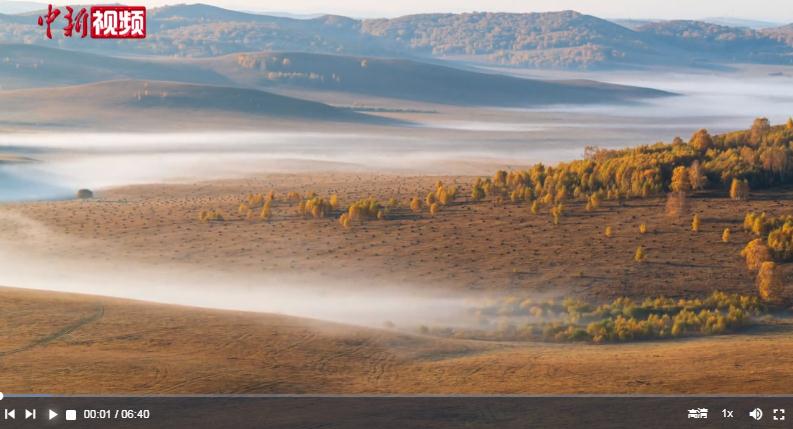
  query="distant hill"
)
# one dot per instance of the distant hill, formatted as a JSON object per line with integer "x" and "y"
{"x": 411, "y": 80}
{"x": 555, "y": 40}
{"x": 738, "y": 22}
{"x": 25, "y": 66}
{"x": 783, "y": 34}
{"x": 634, "y": 24}
{"x": 717, "y": 42}
{"x": 155, "y": 104}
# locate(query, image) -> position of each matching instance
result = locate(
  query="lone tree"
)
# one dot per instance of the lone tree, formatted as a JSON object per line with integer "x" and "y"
{"x": 640, "y": 255}
{"x": 701, "y": 141}
{"x": 760, "y": 127}
{"x": 739, "y": 189}
{"x": 434, "y": 207}
{"x": 695, "y": 223}
{"x": 344, "y": 220}
{"x": 770, "y": 285}
{"x": 556, "y": 213}
{"x": 696, "y": 177}
{"x": 415, "y": 204}
{"x": 789, "y": 124}
{"x": 680, "y": 180}
{"x": 477, "y": 193}
{"x": 85, "y": 194}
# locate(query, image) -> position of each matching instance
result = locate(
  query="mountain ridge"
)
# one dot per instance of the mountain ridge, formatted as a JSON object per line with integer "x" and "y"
{"x": 550, "y": 40}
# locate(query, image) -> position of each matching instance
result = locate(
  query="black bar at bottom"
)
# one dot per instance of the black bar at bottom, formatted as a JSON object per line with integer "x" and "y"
{"x": 398, "y": 412}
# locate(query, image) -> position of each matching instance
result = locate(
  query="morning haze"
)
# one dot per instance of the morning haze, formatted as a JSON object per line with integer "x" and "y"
{"x": 561, "y": 200}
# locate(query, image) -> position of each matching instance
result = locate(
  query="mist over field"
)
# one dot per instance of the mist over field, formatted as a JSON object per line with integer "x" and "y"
{"x": 32, "y": 260}
{"x": 720, "y": 99}
{"x": 435, "y": 143}
{"x": 245, "y": 203}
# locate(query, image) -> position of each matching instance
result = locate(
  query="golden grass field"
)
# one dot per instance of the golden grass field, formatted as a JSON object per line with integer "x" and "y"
{"x": 69, "y": 343}
{"x": 62, "y": 343}
{"x": 466, "y": 247}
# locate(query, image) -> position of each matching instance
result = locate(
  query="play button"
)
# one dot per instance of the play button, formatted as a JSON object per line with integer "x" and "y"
{"x": 53, "y": 414}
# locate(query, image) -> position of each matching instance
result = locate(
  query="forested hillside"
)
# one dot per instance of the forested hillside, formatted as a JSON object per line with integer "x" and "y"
{"x": 556, "y": 40}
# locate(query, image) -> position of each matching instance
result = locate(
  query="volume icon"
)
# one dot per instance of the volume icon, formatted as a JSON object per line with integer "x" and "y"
{"x": 756, "y": 414}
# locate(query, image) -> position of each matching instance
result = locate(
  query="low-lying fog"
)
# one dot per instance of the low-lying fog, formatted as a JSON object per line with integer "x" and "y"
{"x": 454, "y": 142}
{"x": 25, "y": 264}
{"x": 442, "y": 143}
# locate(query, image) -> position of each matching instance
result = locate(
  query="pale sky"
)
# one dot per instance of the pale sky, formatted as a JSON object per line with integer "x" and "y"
{"x": 770, "y": 10}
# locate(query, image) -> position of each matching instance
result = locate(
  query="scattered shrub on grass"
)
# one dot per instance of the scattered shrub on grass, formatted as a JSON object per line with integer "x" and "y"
{"x": 695, "y": 223}
{"x": 434, "y": 207}
{"x": 477, "y": 192}
{"x": 770, "y": 285}
{"x": 608, "y": 232}
{"x": 429, "y": 199}
{"x": 445, "y": 194}
{"x": 333, "y": 201}
{"x": 415, "y": 205}
{"x": 643, "y": 228}
{"x": 640, "y": 255}
{"x": 762, "y": 225}
{"x": 344, "y": 220}
{"x": 266, "y": 212}
{"x": 315, "y": 207}
{"x": 780, "y": 242}
{"x": 363, "y": 210}
{"x": 756, "y": 253}
{"x": 593, "y": 202}
{"x": 211, "y": 216}
{"x": 85, "y": 194}
{"x": 556, "y": 213}
{"x": 254, "y": 201}
{"x": 725, "y": 235}
{"x": 620, "y": 320}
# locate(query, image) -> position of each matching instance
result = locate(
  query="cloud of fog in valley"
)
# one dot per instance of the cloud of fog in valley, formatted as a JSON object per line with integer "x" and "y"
{"x": 467, "y": 143}
{"x": 26, "y": 263}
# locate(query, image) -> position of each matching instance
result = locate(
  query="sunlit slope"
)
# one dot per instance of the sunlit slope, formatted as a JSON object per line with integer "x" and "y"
{"x": 85, "y": 344}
